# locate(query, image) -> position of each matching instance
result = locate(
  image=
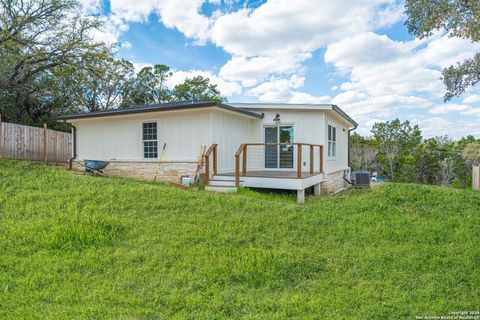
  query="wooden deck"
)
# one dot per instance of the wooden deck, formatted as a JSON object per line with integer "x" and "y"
{"x": 280, "y": 174}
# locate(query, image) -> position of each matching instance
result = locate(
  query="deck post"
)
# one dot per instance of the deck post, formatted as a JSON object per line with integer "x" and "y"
{"x": 215, "y": 159}
{"x": 311, "y": 159}
{"x": 321, "y": 159}
{"x": 316, "y": 189}
{"x": 244, "y": 162}
{"x": 207, "y": 169}
{"x": 299, "y": 160}
{"x": 237, "y": 171}
{"x": 301, "y": 196}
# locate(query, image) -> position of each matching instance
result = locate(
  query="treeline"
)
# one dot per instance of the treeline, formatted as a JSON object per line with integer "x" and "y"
{"x": 397, "y": 151}
{"x": 51, "y": 65}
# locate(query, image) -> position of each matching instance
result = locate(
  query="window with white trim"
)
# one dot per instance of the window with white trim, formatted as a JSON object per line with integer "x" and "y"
{"x": 150, "y": 143}
{"x": 332, "y": 141}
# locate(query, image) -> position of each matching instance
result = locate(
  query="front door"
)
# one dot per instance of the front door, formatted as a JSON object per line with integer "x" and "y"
{"x": 279, "y": 157}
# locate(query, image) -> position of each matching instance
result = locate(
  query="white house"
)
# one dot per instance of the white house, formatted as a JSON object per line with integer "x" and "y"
{"x": 280, "y": 146}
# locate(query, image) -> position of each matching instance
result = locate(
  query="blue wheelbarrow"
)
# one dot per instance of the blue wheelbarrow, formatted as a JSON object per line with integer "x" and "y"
{"x": 95, "y": 166}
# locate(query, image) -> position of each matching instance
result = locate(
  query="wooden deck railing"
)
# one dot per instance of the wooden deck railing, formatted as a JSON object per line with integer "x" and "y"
{"x": 212, "y": 151}
{"x": 243, "y": 152}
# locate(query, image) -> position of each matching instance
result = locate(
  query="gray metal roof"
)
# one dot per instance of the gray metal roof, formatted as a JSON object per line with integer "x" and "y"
{"x": 183, "y": 105}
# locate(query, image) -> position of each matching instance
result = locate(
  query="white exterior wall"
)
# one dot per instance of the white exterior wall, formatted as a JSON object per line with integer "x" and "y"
{"x": 229, "y": 131}
{"x": 340, "y": 162}
{"x": 120, "y": 137}
{"x": 308, "y": 127}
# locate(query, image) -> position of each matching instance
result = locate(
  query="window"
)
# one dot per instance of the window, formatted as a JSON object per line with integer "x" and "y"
{"x": 279, "y": 156}
{"x": 150, "y": 144}
{"x": 332, "y": 141}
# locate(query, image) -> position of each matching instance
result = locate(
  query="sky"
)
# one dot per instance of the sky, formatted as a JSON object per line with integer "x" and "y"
{"x": 356, "y": 54}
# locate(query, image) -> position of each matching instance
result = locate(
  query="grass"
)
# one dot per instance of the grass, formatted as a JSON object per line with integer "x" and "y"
{"x": 74, "y": 246}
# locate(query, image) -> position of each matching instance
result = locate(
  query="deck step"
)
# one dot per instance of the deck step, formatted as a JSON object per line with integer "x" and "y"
{"x": 224, "y": 177}
{"x": 222, "y": 183}
{"x": 220, "y": 188}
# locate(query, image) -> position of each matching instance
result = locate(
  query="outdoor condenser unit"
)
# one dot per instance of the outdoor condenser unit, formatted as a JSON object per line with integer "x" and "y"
{"x": 360, "y": 178}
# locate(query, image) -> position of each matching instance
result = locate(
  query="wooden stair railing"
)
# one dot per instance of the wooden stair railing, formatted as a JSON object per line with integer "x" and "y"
{"x": 211, "y": 151}
{"x": 242, "y": 151}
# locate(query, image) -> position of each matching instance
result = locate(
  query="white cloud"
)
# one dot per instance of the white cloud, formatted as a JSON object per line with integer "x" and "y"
{"x": 227, "y": 88}
{"x": 111, "y": 29}
{"x": 472, "y": 98}
{"x": 438, "y": 126}
{"x": 303, "y": 97}
{"x": 126, "y": 45}
{"x": 181, "y": 15}
{"x": 390, "y": 78}
{"x": 448, "y": 108}
{"x": 277, "y": 90}
{"x": 251, "y": 71}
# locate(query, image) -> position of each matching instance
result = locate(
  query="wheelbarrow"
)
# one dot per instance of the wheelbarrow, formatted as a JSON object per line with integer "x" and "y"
{"x": 94, "y": 166}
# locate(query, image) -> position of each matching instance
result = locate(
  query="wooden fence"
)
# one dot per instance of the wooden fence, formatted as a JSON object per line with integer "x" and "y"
{"x": 32, "y": 143}
{"x": 476, "y": 177}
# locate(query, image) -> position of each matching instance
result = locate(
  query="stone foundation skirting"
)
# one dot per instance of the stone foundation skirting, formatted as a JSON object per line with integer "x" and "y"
{"x": 169, "y": 171}
{"x": 334, "y": 182}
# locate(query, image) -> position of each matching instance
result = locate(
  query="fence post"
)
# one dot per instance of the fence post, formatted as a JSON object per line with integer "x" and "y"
{"x": 45, "y": 142}
{"x": 476, "y": 177}
{"x": 1, "y": 137}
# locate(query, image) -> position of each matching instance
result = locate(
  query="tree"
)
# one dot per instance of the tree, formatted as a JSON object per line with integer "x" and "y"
{"x": 150, "y": 85}
{"x": 362, "y": 152}
{"x": 101, "y": 83}
{"x": 396, "y": 141}
{"x": 428, "y": 156}
{"x": 472, "y": 152}
{"x": 38, "y": 35}
{"x": 461, "y": 19}
{"x": 197, "y": 88}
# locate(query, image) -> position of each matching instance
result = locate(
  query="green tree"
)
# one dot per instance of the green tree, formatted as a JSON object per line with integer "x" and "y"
{"x": 150, "y": 85}
{"x": 472, "y": 152}
{"x": 461, "y": 18}
{"x": 396, "y": 141}
{"x": 363, "y": 153}
{"x": 197, "y": 88}
{"x": 101, "y": 83}
{"x": 38, "y": 35}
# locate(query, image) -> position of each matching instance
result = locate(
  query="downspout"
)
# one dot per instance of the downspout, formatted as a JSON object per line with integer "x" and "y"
{"x": 348, "y": 148}
{"x": 348, "y": 153}
{"x": 74, "y": 144}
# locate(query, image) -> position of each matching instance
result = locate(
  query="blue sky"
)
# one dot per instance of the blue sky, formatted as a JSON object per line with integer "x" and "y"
{"x": 356, "y": 54}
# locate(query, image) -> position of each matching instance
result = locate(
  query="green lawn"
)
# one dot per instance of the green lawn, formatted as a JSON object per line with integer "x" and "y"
{"x": 74, "y": 246}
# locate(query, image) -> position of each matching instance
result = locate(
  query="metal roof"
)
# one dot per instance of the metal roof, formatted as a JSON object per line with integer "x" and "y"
{"x": 183, "y": 105}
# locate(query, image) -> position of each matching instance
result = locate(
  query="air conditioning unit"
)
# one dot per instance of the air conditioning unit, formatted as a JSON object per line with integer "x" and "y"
{"x": 360, "y": 178}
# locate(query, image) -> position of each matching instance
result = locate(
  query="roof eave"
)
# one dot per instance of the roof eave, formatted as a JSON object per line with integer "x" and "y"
{"x": 158, "y": 109}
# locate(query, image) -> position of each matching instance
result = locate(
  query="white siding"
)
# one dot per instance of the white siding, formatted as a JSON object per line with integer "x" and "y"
{"x": 229, "y": 131}
{"x": 120, "y": 137}
{"x": 340, "y": 162}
